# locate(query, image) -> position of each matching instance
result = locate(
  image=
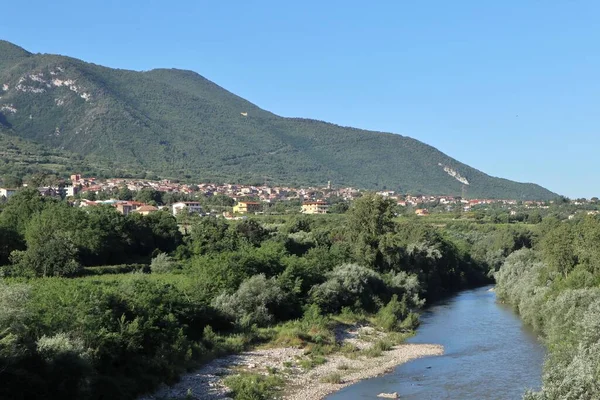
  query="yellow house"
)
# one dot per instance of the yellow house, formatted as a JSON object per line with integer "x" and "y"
{"x": 315, "y": 207}
{"x": 245, "y": 207}
{"x": 146, "y": 209}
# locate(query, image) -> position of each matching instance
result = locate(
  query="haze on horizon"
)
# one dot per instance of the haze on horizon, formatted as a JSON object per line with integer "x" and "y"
{"x": 507, "y": 88}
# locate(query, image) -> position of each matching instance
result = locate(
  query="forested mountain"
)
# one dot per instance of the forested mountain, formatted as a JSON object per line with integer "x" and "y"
{"x": 175, "y": 123}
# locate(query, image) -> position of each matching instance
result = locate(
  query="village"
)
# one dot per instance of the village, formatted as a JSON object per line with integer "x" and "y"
{"x": 247, "y": 199}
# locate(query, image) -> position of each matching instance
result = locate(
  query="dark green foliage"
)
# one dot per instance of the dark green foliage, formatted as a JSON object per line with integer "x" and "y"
{"x": 252, "y": 231}
{"x": 176, "y": 123}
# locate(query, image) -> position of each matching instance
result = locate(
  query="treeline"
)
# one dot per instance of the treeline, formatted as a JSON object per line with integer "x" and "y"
{"x": 216, "y": 290}
{"x": 555, "y": 289}
{"x": 43, "y": 236}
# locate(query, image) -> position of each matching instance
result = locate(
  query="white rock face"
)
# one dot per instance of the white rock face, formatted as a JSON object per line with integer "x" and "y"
{"x": 5, "y": 87}
{"x": 454, "y": 174}
{"x": 59, "y": 102}
{"x": 53, "y": 81}
{"x": 8, "y": 108}
{"x": 37, "y": 78}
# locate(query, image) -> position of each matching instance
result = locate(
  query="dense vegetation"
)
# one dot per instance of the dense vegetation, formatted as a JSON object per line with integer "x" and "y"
{"x": 23, "y": 160}
{"x": 555, "y": 287}
{"x": 174, "y": 123}
{"x": 97, "y": 305}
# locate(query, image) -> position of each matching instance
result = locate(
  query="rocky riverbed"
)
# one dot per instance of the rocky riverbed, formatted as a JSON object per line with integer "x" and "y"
{"x": 339, "y": 370}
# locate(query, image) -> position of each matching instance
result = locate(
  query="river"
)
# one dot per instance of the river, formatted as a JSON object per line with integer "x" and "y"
{"x": 489, "y": 354}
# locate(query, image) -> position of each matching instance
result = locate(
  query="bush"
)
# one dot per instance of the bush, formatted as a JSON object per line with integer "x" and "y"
{"x": 349, "y": 285}
{"x": 334, "y": 377}
{"x": 254, "y": 386}
{"x": 253, "y": 303}
{"x": 162, "y": 263}
{"x": 391, "y": 316}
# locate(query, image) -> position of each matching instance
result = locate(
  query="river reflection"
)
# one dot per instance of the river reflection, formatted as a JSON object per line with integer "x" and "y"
{"x": 489, "y": 354}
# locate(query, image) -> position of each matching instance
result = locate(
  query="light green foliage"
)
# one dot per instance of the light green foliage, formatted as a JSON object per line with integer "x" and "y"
{"x": 555, "y": 289}
{"x": 50, "y": 347}
{"x": 253, "y": 303}
{"x": 254, "y": 386}
{"x": 348, "y": 285}
{"x": 558, "y": 249}
{"x": 334, "y": 377}
{"x": 162, "y": 263}
{"x": 396, "y": 316}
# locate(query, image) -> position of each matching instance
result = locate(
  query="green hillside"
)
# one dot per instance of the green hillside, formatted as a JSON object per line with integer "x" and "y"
{"x": 175, "y": 123}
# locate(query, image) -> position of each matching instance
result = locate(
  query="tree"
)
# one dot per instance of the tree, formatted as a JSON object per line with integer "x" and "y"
{"x": 124, "y": 193}
{"x": 252, "y": 231}
{"x": 53, "y": 255}
{"x": 369, "y": 219}
{"x": 148, "y": 196}
{"x": 558, "y": 249}
{"x": 212, "y": 234}
{"x": 21, "y": 207}
{"x": 12, "y": 181}
{"x": 10, "y": 240}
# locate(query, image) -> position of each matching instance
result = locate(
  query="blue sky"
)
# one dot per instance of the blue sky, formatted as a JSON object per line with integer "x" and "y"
{"x": 508, "y": 87}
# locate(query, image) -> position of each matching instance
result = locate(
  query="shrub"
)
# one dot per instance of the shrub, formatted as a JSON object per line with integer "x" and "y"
{"x": 334, "y": 378}
{"x": 349, "y": 285}
{"x": 50, "y": 347}
{"x": 254, "y": 386}
{"x": 162, "y": 263}
{"x": 253, "y": 303}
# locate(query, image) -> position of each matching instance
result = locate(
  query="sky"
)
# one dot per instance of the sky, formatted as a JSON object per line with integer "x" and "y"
{"x": 509, "y": 87}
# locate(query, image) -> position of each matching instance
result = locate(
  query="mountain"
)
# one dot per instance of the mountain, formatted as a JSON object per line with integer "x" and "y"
{"x": 174, "y": 123}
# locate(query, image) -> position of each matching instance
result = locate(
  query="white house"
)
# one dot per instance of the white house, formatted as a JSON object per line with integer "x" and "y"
{"x": 189, "y": 206}
{"x": 7, "y": 192}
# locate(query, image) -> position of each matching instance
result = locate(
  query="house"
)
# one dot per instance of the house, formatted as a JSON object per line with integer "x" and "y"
{"x": 192, "y": 207}
{"x": 49, "y": 191}
{"x": 146, "y": 209}
{"x": 245, "y": 207}
{"x": 71, "y": 190}
{"x": 315, "y": 207}
{"x": 4, "y": 192}
{"x": 125, "y": 208}
{"x": 421, "y": 212}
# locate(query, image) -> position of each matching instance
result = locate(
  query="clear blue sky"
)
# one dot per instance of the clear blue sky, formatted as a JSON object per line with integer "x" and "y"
{"x": 509, "y": 87}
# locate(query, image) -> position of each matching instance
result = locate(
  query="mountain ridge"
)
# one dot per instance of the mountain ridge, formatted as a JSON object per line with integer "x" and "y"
{"x": 177, "y": 123}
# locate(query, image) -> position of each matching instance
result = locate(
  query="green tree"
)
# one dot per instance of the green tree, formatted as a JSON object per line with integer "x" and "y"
{"x": 558, "y": 249}
{"x": 54, "y": 254}
{"x": 369, "y": 219}
{"x": 12, "y": 181}
{"x": 21, "y": 207}
{"x": 10, "y": 241}
{"x": 124, "y": 193}
{"x": 148, "y": 196}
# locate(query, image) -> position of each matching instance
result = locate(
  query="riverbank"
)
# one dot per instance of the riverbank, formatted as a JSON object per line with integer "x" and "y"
{"x": 365, "y": 353}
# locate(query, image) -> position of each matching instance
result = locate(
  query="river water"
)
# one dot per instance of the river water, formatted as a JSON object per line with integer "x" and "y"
{"x": 488, "y": 354}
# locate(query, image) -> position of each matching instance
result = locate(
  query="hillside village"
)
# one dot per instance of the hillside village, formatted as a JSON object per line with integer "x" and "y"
{"x": 239, "y": 199}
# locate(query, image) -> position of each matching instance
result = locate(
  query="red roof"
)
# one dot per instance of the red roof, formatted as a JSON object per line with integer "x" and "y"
{"x": 146, "y": 208}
